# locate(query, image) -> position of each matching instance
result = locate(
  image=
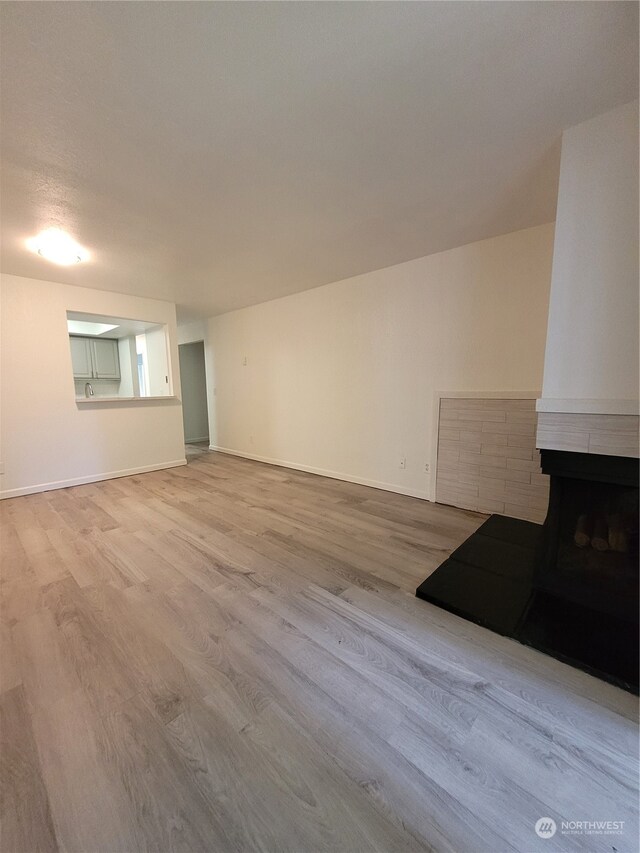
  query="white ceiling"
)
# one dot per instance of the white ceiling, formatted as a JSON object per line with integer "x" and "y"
{"x": 223, "y": 154}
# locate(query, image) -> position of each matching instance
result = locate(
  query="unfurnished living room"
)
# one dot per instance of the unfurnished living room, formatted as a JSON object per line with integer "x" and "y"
{"x": 319, "y": 427}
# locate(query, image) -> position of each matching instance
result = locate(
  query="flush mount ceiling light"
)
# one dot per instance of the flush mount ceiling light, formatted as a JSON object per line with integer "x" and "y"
{"x": 58, "y": 247}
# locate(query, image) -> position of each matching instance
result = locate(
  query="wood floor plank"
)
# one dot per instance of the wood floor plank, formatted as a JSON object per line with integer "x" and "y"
{"x": 100, "y": 672}
{"x": 160, "y": 676}
{"x": 88, "y": 810}
{"x": 25, "y": 825}
{"x": 230, "y": 656}
{"x": 10, "y": 676}
{"x": 169, "y": 812}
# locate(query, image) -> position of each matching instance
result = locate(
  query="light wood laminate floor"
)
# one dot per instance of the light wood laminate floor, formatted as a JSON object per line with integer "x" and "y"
{"x": 230, "y": 656}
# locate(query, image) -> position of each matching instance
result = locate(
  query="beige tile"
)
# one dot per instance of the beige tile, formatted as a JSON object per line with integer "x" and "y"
{"x": 448, "y": 455}
{"x": 586, "y": 433}
{"x": 448, "y": 496}
{"x": 468, "y": 457}
{"x": 491, "y": 489}
{"x": 447, "y": 444}
{"x": 531, "y": 465}
{"x": 506, "y": 474}
{"x": 538, "y": 479}
{"x": 487, "y": 505}
{"x": 449, "y": 434}
{"x": 506, "y": 451}
{"x": 471, "y": 478}
{"x": 577, "y": 422}
{"x": 521, "y": 418}
{"x": 518, "y": 440}
{"x": 494, "y": 437}
{"x": 613, "y": 443}
{"x": 449, "y": 423}
{"x": 515, "y": 497}
{"x": 601, "y": 450}
{"x": 535, "y": 492}
{"x": 467, "y": 503}
{"x": 528, "y": 405}
{"x": 470, "y": 446}
{"x": 468, "y": 492}
{"x": 484, "y": 415}
{"x": 517, "y": 500}
{"x": 446, "y": 484}
{"x": 493, "y": 461}
{"x": 484, "y": 403}
{"x": 510, "y": 428}
{"x": 554, "y": 439}
{"x": 448, "y": 469}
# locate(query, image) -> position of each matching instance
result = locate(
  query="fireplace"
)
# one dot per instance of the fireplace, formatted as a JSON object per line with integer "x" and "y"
{"x": 568, "y": 587}
{"x": 585, "y": 585}
{"x": 589, "y": 548}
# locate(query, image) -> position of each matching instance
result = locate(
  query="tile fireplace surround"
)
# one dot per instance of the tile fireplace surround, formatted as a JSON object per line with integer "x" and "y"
{"x": 606, "y": 434}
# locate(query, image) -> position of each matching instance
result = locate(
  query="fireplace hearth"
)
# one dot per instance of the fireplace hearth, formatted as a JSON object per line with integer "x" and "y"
{"x": 568, "y": 587}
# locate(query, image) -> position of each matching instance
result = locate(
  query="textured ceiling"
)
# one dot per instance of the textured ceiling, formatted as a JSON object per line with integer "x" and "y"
{"x": 223, "y": 154}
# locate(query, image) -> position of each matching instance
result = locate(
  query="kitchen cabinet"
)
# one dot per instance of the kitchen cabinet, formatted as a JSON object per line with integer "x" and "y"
{"x": 81, "y": 358}
{"x": 105, "y": 358}
{"x": 94, "y": 358}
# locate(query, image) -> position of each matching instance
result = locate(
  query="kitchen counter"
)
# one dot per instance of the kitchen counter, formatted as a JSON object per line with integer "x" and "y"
{"x": 96, "y": 399}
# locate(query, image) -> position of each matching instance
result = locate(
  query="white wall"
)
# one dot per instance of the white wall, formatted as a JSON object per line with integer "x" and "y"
{"x": 129, "y": 385}
{"x": 194, "y": 392}
{"x": 47, "y": 439}
{"x": 341, "y": 379}
{"x": 591, "y": 361}
{"x": 157, "y": 366}
{"x": 196, "y": 330}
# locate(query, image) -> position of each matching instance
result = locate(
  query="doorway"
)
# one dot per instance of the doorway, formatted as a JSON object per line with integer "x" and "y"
{"x": 194, "y": 393}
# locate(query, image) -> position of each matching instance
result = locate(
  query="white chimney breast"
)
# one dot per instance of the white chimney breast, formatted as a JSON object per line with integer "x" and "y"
{"x": 591, "y": 357}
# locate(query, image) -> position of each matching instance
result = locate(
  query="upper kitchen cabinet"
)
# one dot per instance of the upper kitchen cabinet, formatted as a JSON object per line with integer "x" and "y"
{"x": 81, "y": 358}
{"x": 94, "y": 358}
{"x": 105, "y": 359}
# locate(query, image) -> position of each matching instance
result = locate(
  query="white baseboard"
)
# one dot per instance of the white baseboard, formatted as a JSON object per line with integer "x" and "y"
{"x": 423, "y": 494}
{"x": 196, "y": 440}
{"x": 92, "y": 478}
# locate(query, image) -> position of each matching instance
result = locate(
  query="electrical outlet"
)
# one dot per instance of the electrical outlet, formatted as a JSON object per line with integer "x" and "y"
{"x": 403, "y": 462}
{"x": 427, "y": 468}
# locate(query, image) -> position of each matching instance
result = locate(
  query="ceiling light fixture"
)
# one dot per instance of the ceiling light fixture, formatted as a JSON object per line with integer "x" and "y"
{"x": 58, "y": 247}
